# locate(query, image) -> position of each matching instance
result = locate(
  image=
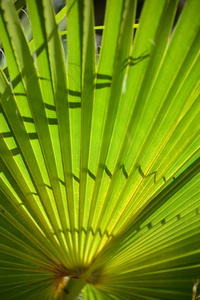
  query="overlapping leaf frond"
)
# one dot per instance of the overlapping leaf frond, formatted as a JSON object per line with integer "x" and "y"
{"x": 99, "y": 165}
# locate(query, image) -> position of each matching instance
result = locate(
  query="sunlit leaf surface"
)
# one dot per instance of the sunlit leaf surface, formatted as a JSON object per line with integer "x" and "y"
{"x": 99, "y": 160}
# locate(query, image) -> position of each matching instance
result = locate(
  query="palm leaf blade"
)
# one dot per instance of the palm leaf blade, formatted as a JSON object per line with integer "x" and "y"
{"x": 99, "y": 155}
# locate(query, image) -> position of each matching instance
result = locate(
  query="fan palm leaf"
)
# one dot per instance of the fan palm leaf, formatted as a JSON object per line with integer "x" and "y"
{"x": 99, "y": 161}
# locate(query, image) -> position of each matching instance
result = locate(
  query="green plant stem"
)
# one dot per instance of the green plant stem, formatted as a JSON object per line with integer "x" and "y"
{"x": 73, "y": 288}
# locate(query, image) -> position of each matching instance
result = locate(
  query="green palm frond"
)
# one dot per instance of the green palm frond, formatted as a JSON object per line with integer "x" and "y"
{"x": 99, "y": 161}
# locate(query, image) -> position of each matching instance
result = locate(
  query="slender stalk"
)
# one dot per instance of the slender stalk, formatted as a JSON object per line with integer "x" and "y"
{"x": 73, "y": 288}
